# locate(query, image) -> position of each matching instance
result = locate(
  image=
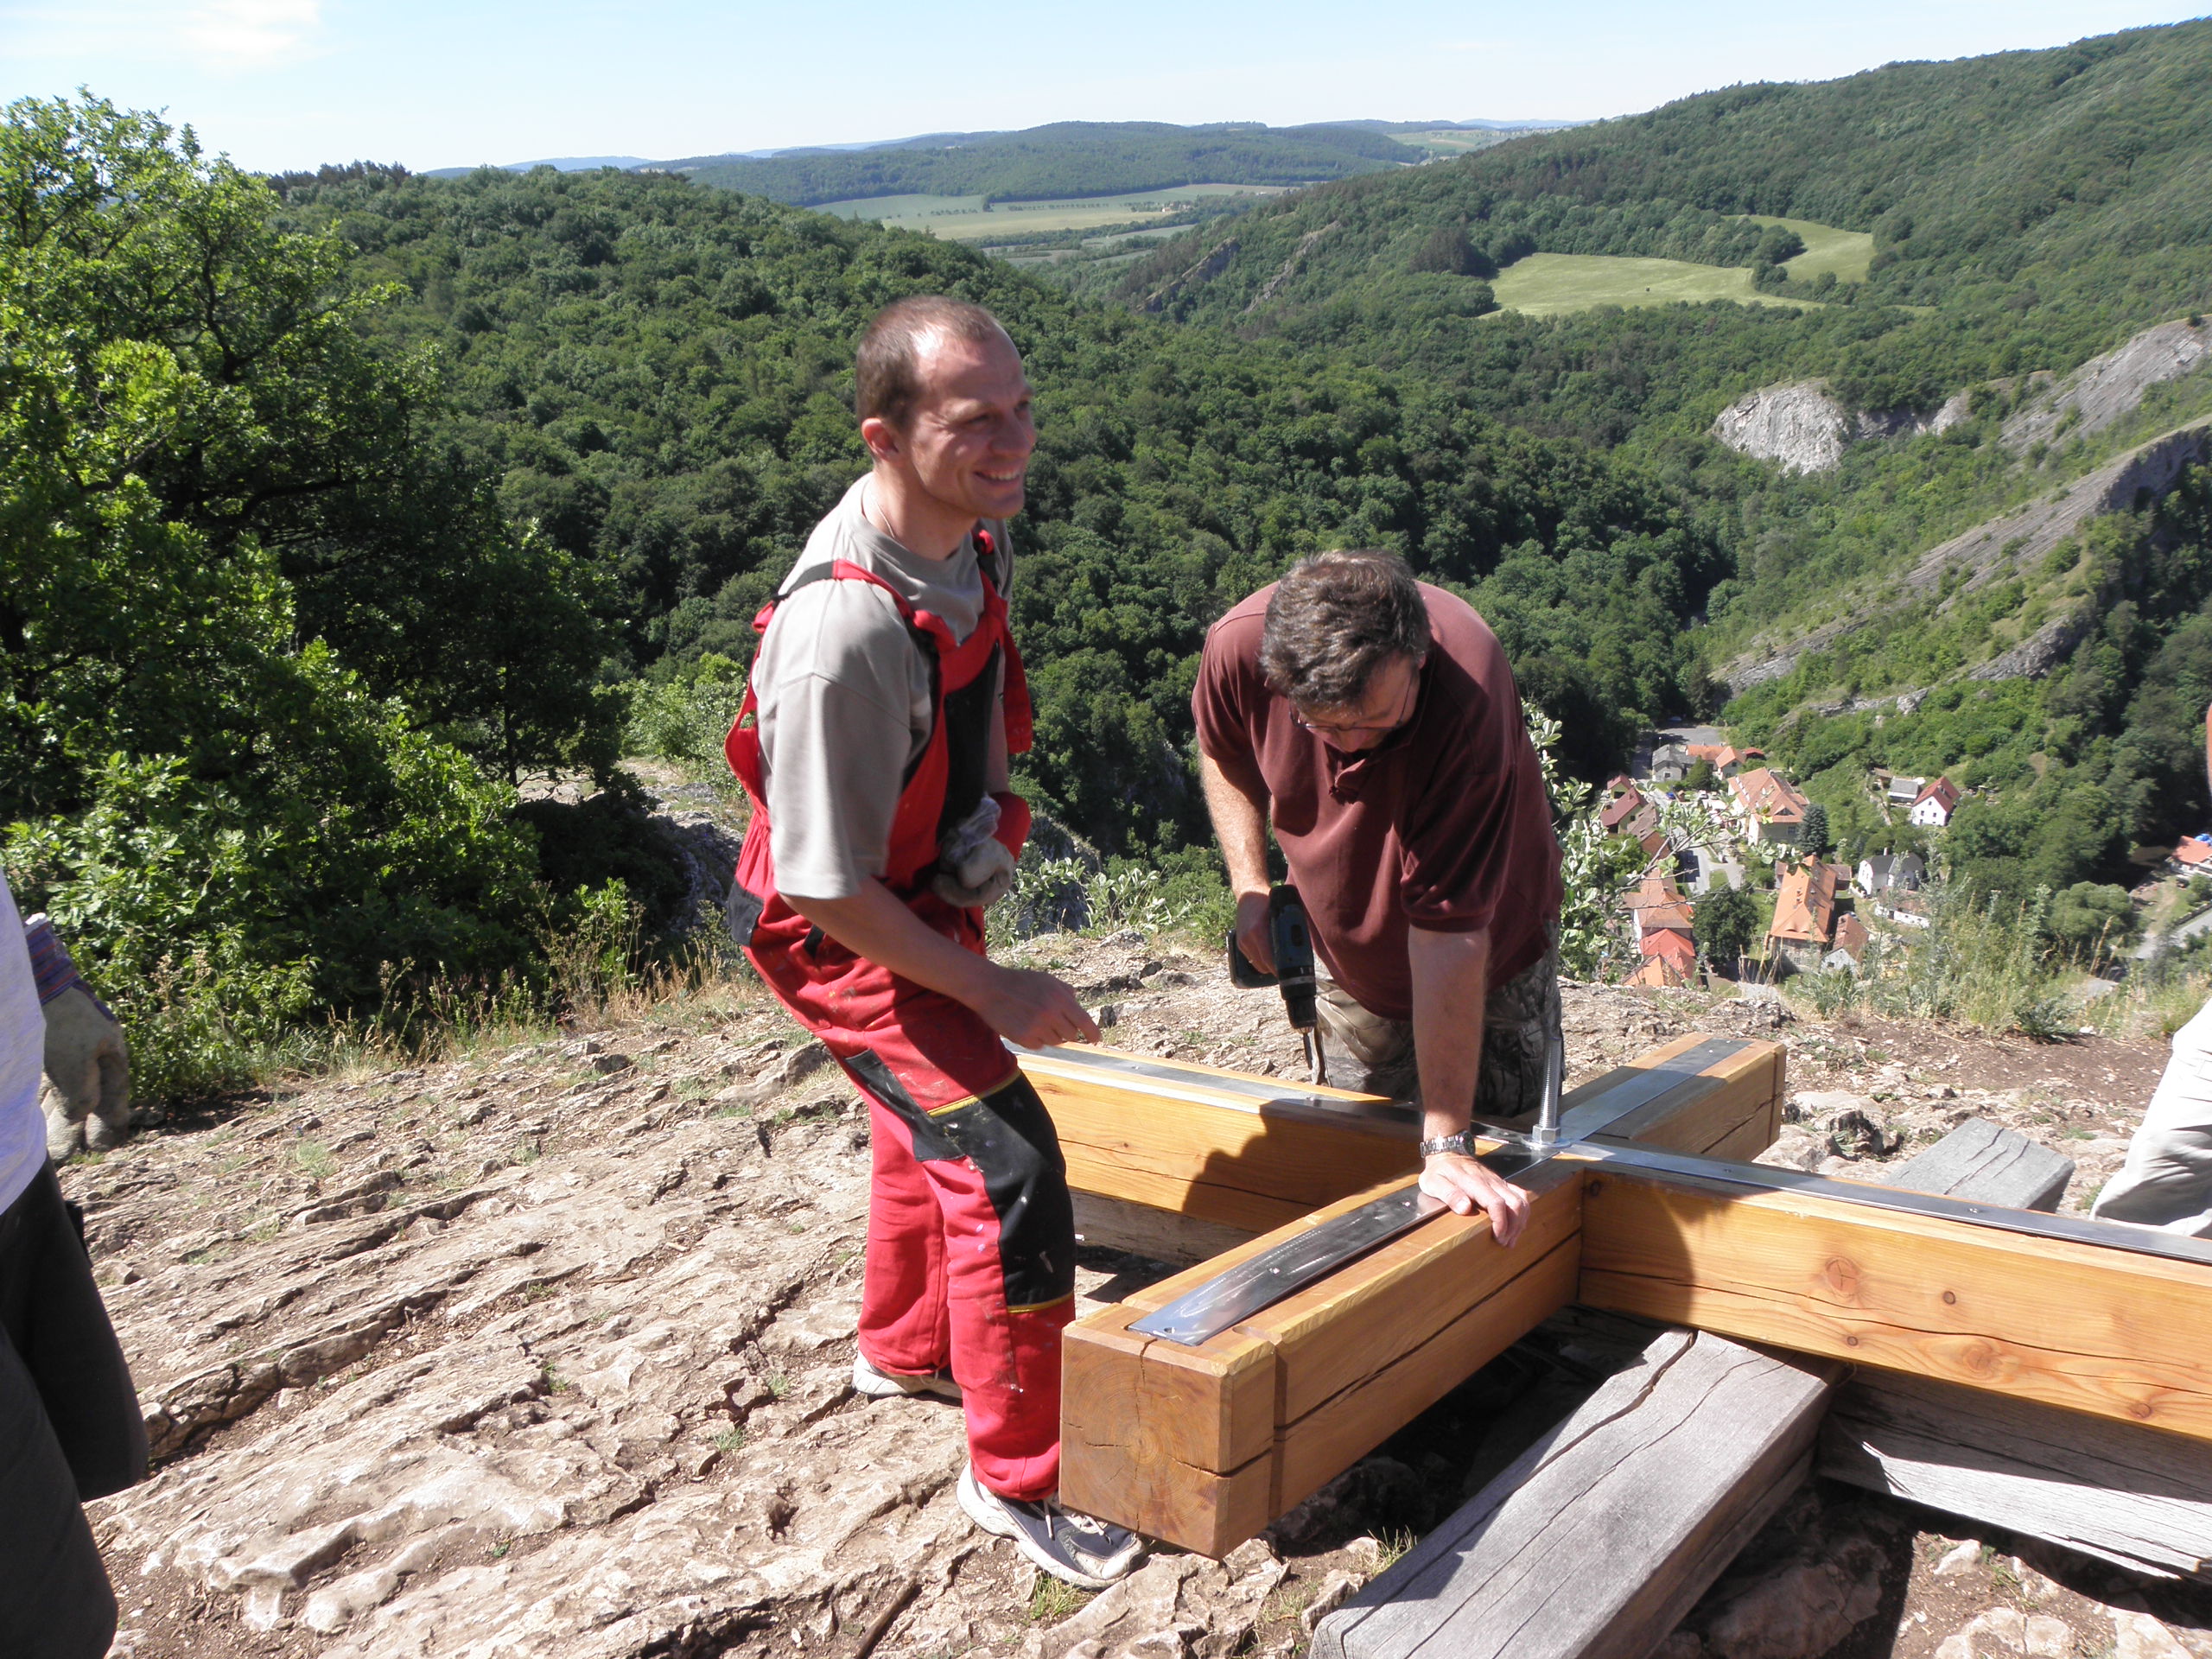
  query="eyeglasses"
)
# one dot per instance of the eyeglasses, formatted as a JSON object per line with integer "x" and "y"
{"x": 1332, "y": 728}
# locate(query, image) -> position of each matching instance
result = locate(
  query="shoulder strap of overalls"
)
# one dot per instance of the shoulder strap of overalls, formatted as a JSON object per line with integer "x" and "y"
{"x": 1019, "y": 719}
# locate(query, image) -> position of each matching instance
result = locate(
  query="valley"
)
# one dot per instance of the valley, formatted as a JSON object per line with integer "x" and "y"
{"x": 384, "y": 556}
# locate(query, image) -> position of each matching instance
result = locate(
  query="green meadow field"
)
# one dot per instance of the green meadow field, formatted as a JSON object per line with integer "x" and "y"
{"x": 1453, "y": 141}
{"x": 1551, "y": 285}
{"x": 964, "y": 219}
{"x": 1848, "y": 253}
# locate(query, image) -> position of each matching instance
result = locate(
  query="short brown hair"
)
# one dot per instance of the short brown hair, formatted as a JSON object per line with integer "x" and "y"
{"x": 1334, "y": 619}
{"x": 886, "y": 369}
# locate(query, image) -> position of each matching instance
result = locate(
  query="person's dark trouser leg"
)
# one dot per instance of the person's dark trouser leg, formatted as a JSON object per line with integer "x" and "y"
{"x": 1521, "y": 1020}
{"x": 52, "y": 1314}
{"x": 1380, "y": 1049}
{"x": 55, "y": 1602}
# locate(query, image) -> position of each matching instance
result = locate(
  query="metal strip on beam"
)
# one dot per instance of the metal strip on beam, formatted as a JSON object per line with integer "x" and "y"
{"x": 1265, "y": 1280}
{"x": 1212, "y": 1307}
{"x": 1605, "y": 1104}
{"x": 1766, "y": 1178}
{"x": 1259, "y": 1089}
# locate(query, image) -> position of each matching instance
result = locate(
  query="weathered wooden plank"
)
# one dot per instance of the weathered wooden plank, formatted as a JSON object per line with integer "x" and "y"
{"x": 2135, "y": 1496}
{"x": 1597, "y": 1540}
{"x": 1990, "y": 1164}
{"x": 2088, "y": 1328}
{"x": 2130, "y": 1495}
{"x": 1246, "y": 1424}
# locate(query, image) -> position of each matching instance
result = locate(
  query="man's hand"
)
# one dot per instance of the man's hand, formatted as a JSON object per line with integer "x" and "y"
{"x": 1468, "y": 1184}
{"x": 90, "y": 1069}
{"x": 1254, "y": 937}
{"x": 1033, "y": 1009}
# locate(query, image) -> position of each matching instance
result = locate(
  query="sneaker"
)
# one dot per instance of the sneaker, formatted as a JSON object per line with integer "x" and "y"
{"x": 890, "y": 1385}
{"x": 1086, "y": 1552}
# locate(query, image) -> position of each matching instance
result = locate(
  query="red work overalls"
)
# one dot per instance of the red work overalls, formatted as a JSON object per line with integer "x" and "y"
{"x": 971, "y": 1234}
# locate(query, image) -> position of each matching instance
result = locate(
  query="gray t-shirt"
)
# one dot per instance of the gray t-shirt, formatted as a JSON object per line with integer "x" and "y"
{"x": 844, "y": 696}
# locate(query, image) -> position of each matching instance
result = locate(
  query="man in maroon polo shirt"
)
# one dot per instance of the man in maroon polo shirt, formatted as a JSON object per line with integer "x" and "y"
{"x": 1371, "y": 719}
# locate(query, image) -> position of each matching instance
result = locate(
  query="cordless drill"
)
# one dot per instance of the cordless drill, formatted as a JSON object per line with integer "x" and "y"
{"x": 1292, "y": 944}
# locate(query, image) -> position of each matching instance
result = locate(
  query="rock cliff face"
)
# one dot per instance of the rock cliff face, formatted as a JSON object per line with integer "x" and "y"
{"x": 1799, "y": 427}
{"x": 2013, "y": 541}
{"x": 1802, "y": 428}
{"x": 2106, "y": 389}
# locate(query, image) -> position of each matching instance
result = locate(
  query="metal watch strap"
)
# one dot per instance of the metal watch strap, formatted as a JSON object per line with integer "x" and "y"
{"x": 1461, "y": 1143}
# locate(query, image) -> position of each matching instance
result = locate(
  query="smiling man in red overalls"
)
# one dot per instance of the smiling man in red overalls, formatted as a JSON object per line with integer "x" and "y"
{"x": 883, "y": 702}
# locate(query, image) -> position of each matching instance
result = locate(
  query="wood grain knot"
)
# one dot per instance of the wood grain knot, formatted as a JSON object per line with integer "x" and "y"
{"x": 1842, "y": 1274}
{"x": 2140, "y": 1408}
{"x": 1951, "y": 1296}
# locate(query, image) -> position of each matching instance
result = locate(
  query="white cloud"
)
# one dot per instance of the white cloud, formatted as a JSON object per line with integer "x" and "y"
{"x": 239, "y": 34}
{"x": 224, "y": 36}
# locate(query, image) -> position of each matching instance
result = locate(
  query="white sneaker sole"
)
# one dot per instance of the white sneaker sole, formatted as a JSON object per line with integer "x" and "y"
{"x": 886, "y": 1385}
{"x": 986, "y": 1515}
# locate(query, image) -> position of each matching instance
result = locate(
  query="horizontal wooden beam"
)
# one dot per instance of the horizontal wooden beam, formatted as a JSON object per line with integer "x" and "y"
{"x": 1232, "y": 1148}
{"x": 2103, "y": 1331}
{"x": 1251, "y": 1153}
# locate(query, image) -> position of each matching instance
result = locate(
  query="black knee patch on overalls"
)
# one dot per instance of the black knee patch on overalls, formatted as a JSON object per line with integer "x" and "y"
{"x": 1009, "y": 1135}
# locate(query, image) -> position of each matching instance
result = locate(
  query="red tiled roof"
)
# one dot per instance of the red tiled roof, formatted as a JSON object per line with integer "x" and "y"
{"x": 1943, "y": 791}
{"x": 1670, "y": 946}
{"x": 1766, "y": 795}
{"x": 1851, "y": 935}
{"x": 1805, "y": 906}
{"x": 2191, "y": 851}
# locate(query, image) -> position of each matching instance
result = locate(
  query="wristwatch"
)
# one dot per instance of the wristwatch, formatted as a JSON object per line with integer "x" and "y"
{"x": 1462, "y": 1143}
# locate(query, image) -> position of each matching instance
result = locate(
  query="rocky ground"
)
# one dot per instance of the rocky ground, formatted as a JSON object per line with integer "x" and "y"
{"x": 544, "y": 1351}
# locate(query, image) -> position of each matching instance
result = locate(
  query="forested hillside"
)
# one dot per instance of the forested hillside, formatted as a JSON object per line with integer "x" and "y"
{"x": 1068, "y": 158}
{"x": 2029, "y": 210}
{"x": 337, "y": 514}
{"x": 658, "y": 376}
{"x": 342, "y": 504}
{"x": 2032, "y": 206}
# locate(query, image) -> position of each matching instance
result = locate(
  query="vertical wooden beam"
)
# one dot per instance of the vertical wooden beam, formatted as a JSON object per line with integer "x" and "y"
{"x": 1204, "y": 1446}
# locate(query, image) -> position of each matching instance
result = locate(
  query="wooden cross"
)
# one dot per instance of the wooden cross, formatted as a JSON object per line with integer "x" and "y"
{"x": 1648, "y": 1210}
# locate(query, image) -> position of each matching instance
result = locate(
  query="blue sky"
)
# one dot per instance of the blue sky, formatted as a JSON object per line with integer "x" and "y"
{"x": 289, "y": 83}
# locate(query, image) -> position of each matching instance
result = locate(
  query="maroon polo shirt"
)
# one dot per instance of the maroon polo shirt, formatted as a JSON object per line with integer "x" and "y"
{"x": 1444, "y": 826}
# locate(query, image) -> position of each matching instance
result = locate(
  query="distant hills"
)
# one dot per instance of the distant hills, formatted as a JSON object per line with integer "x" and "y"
{"x": 1067, "y": 158}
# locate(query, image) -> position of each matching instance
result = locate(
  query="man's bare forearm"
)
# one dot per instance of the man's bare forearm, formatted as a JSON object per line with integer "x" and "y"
{"x": 1450, "y": 983}
{"x": 1451, "y": 974}
{"x": 1240, "y": 824}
